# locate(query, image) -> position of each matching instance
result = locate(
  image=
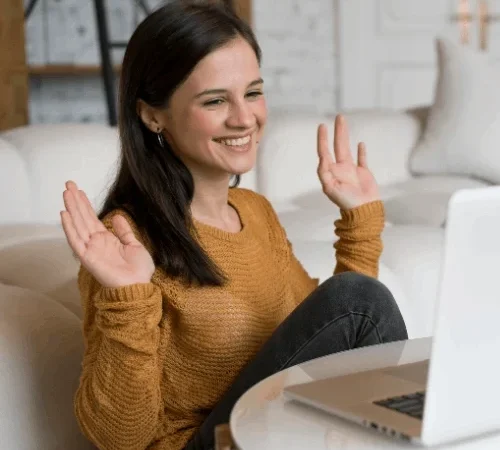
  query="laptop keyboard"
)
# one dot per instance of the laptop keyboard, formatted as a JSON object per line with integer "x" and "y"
{"x": 412, "y": 405}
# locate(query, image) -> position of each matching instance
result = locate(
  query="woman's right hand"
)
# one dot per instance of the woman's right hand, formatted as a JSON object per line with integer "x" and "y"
{"x": 114, "y": 261}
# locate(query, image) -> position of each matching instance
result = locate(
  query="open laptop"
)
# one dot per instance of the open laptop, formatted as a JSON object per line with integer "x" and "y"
{"x": 456, "y": 393}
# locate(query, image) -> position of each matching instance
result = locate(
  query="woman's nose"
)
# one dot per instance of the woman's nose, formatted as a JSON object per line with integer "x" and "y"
{"x": 241, "y": 116}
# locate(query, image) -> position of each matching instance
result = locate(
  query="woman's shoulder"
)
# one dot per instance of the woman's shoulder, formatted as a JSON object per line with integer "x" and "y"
{"x": 259, "y": 206}
{"x": 250, "y": 198}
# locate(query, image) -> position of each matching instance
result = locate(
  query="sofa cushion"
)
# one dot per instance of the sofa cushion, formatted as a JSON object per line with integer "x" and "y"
{"x": 15, "y": 202}
{"x": 13, "y": 234}
{"x": 310, "y": 224}
{"x": 41, "y": 350}
{"x": 446, "y": 184}
{"x": 54, "y": 153}
{"x": 424, "y": 200}
{"x": 417, "y": 201}
{"x": 462, "y": 134}
{"x": 424, "y": 208}
{"x": 46, "y": 266}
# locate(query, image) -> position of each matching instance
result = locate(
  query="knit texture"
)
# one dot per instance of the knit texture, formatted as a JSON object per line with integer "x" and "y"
{"x": 160, "y": 355}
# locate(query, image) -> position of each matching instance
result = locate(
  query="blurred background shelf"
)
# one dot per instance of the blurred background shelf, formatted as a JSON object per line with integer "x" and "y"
{"x": 61, "y": 31}
{"x": 67, "y": 70}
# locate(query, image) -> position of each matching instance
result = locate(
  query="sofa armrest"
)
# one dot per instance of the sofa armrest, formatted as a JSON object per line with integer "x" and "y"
{"x": 41, "y": 348}
{"x": 287, "y": 159}
{"x": 50, "y": 155}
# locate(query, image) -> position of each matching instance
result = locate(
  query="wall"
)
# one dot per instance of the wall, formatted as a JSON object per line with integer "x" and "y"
{"x": 297, "y": 39}
{"x": 299, "y": 62}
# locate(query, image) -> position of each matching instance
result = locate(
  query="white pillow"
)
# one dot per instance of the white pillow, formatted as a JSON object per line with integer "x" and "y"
{"x": 462, "y": 134}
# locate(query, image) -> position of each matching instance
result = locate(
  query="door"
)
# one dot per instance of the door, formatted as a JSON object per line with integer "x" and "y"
{"x": 387, "y": 47}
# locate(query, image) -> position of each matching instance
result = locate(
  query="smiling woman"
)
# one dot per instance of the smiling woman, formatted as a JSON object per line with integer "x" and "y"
{"x": 191, "y": 290}
{"x": 215, "y": 131}
{"x": 204, "y": 88}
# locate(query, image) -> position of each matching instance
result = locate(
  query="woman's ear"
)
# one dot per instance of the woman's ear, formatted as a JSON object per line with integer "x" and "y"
{"x": 151, "y": 117}
{"x": 167, "y": 126}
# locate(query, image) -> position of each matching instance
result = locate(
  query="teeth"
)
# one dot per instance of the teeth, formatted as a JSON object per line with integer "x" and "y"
{"x": 236, "y": 142}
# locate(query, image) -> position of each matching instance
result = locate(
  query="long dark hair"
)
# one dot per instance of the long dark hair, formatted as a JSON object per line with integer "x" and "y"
{"x": 153, "y": 185}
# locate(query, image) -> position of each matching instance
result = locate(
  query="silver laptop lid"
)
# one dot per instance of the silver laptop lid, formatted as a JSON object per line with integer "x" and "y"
{"x": 463, "y": 391}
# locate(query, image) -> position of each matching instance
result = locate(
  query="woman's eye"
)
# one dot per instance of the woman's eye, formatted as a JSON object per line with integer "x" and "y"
{"x": 254, "y": 94}
{"x": 215, "y": 102}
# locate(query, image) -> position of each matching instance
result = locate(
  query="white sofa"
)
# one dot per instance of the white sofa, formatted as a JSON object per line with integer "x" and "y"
{"x": 415, "y": 206}
{"x": 40, "y": 316}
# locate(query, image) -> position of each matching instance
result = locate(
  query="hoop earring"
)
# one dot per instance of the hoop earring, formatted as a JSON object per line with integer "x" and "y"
{"x": 161, "y": 140}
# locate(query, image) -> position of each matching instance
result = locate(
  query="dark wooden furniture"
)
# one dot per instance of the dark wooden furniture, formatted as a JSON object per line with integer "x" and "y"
{"x": 13, "y": 69}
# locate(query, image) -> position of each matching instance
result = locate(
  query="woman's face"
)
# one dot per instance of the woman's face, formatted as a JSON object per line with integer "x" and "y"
{"x": 214, "y": 120}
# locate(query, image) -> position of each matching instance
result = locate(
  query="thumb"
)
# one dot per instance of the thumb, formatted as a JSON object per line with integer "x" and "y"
{"x": 123, "y": 230}
{"x": 362, "y": 160}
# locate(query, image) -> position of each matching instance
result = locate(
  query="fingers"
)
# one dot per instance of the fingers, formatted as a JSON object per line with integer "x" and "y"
{"x": 123, "y": 230}
{"x": 75, "y": 241}
{"x": 362, "y": 160}
{"x": 83, "y": 214}
{"x": 81, "y": 204}
{"x": 71, "y": 203}
{"x": 341, "y": 141}
{"x": 325, "y": 157}
{"x": 94, "y": 223}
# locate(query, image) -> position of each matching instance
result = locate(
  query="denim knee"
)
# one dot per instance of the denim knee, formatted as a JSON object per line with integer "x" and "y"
{"x": 367, "y": 295}
{"x": 360, "y": 292}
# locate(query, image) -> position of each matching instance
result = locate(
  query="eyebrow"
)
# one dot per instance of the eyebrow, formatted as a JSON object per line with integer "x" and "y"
{"x": 223, "y": 91}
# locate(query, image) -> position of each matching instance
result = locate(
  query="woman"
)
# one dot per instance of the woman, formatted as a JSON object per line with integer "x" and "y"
{"x": 190, "y": 289}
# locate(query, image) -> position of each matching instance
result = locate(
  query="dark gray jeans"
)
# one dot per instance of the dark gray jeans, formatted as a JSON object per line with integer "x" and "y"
{"x": 347, "y": 311}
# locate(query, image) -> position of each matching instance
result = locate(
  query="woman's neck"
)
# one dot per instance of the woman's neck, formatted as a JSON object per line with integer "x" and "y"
{"x": 210, "y": 205}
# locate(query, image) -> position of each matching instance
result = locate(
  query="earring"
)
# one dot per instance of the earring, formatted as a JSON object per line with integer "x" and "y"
{"x": 160, "y": 138}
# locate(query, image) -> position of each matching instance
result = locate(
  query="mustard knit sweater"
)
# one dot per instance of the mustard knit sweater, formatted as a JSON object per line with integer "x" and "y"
{"x": 160, "y": 355}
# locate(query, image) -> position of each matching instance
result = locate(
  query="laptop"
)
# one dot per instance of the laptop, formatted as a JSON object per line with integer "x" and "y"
{"x": 455, "y": 394}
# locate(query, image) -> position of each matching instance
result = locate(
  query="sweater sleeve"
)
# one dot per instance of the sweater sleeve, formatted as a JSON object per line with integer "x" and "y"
{"x": 117, "y": 403}
{"x": 118, "y": 400}
{"x": 359, "y": 245}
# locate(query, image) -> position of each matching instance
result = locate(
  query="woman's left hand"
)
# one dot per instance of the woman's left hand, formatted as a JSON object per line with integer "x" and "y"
{"x": 346, "y": 183}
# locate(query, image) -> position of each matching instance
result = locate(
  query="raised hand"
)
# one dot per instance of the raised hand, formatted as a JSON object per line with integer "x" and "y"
{"x": 114, "y": 261}
{"x": 346, "y": 183}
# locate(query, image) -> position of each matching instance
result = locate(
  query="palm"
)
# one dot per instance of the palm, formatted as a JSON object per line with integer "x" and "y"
{"x": 114, "y": 263}
{"x": 346, "y": 183}
{"x": 113, "y": 260}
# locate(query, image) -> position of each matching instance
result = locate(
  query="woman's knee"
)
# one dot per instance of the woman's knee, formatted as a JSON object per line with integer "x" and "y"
{"x": 359, "y": 291}
{"x": 362, "y": 294}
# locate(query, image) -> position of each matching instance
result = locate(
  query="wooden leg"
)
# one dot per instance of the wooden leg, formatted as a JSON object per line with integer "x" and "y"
{"x": 223, "y": 438}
